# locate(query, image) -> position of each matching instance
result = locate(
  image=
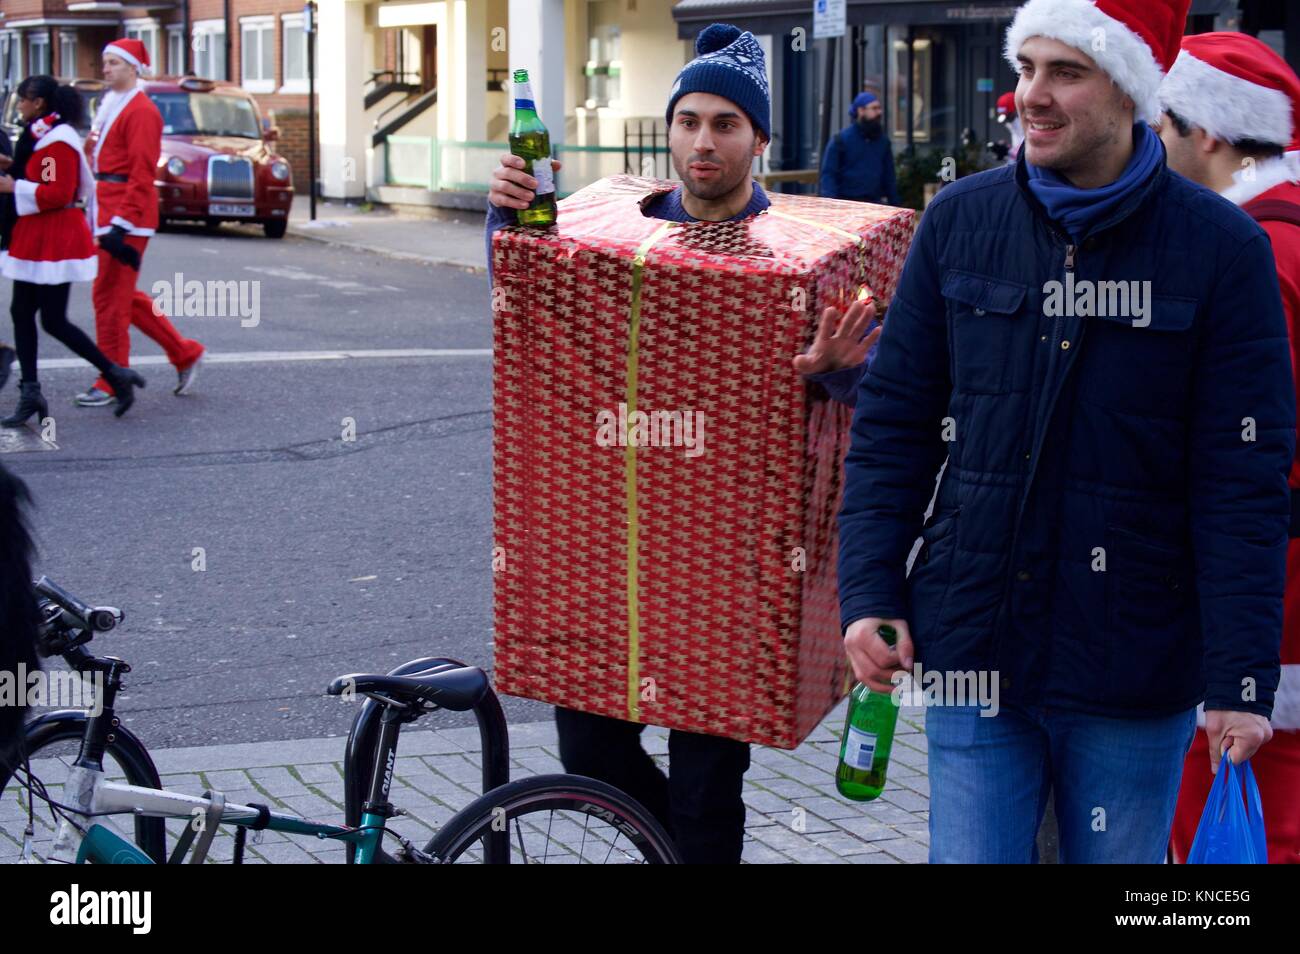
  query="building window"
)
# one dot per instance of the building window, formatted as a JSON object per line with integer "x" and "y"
{"x": 11, "y": 59}
{"x": 175, "y": 50}
{"x": 210, "y": 49}
{"x": 146, "y": 31}
{"x": 921, "y": 107}
{"x": 293, "y": 56}
{"x": 603, "y": 67}
{"x": 67, "y": 53}
{"x": 257, "y": 54}
{"x": 38, "y": 54}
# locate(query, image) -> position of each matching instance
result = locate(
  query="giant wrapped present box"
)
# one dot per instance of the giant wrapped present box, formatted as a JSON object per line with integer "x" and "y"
{"x": 665, "y": 485}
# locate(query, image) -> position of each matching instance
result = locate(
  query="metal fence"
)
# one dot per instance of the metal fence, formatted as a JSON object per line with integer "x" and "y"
{"x": 441, "y": 165}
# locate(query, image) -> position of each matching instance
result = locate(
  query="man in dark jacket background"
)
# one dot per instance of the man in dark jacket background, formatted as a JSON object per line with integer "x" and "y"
{"x": 859, "y": 162}
{"x": 1097, "y": 347}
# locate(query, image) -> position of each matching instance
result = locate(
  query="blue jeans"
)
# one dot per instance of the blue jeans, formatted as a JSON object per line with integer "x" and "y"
{"x": 1115, "y": 783}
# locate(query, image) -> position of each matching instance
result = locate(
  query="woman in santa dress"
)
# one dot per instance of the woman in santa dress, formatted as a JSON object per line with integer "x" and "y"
{"x": 51, "y": 245}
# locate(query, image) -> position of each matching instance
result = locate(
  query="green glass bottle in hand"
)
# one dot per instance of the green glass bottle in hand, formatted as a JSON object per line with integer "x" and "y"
{"x": 868, "y": 737}
{"x": 530, "y": 141}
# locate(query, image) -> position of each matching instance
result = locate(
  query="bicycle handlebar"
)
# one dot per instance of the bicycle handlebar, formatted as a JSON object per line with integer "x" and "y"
{"x": 98, "y": 619}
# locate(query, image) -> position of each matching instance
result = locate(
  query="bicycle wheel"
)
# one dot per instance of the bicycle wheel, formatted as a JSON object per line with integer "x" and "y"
{"x": 51, "y": 751}
{"x": 557, "y": 819}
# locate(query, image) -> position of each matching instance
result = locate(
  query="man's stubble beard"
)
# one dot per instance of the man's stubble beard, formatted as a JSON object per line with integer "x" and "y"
{"x": 1083, "y": 152}
{"x": 717, "y": 190}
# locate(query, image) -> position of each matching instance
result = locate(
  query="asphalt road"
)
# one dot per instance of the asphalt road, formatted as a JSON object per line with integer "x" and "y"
{"x": 322, "y": 556}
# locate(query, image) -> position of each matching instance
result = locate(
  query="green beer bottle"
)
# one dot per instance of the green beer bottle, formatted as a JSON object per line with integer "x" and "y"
{"x": 530, "y": 141}
{"x": 868, "y": 737}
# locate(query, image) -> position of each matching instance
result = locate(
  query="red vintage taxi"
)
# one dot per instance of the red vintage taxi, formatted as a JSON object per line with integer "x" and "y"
{"x": 217, "y": 162}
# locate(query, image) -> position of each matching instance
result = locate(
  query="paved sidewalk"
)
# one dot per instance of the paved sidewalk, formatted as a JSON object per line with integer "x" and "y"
{"x": 442, "y": 237}
{"x": 795, "y": 814}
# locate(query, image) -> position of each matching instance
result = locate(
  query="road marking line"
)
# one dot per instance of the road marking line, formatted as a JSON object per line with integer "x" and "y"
{"x": 256, "y": 357}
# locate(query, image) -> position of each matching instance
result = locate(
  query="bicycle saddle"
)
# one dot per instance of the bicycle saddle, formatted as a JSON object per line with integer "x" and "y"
{"x": 456, "y": 689}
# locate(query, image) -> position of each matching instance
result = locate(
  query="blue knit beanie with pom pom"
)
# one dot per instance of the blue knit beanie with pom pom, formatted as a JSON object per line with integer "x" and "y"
{"x": 730, "y": 64}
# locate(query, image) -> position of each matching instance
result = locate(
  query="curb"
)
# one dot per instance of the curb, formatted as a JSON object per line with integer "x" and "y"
{"x": 312, "y": 236}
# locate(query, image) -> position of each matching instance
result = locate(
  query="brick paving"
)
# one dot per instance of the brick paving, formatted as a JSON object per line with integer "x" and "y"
{"x": 794, "y": 814}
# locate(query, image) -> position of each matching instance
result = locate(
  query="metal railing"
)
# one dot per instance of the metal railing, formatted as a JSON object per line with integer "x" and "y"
{"x": 642, "y": 153}
{"x": 441, "y": 165}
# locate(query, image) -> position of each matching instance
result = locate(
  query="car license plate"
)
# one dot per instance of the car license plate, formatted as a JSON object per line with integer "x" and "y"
{"x": 218, "y": 208}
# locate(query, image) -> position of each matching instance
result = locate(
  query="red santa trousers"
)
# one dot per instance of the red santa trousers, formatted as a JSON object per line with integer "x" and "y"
{"x": 119, "y": 304}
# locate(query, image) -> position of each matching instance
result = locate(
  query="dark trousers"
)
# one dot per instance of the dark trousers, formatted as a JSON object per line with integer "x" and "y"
{"x": 698, "y": 802}
{"x": 52, "y": 302}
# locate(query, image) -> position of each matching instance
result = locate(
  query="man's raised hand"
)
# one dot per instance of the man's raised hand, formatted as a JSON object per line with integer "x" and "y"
{"x": 839, "y": 342}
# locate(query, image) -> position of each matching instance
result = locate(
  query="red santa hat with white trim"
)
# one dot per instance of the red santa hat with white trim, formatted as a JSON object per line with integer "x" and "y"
{"x": 1133, "y": 41}
{"x": 133, "y": 51}
{"x": 1234, "y": 87}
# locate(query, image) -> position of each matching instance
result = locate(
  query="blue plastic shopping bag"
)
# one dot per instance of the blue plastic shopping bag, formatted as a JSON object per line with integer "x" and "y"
{"x": 1231, "y": 831}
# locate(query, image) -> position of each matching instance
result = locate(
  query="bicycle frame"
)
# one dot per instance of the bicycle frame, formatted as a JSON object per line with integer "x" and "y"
{"x": 368, "y": 766}
{"x": 101, "y": 844}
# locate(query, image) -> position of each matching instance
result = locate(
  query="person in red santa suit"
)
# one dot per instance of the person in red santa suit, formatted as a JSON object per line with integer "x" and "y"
{"x": 124, "y": 144}
{"x": 1231, "y": 113}
{"x": 50, "y": 245}
{"x": 1007, "y": 114}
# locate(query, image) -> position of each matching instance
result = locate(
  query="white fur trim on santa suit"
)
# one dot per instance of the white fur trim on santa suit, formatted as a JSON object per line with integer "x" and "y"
{"x": 1125, "y": 56}
{"x": 25, "y": 197}
{"x": 49, "y": 273}
{"x": 129, "y": 57}
{"x": 1227, "y": 107}
{"x": 1258, "y": 179}
{"x": 130, "y": 229}
{"x": 1286, "y": 701}
{"x": 110, "y": 107}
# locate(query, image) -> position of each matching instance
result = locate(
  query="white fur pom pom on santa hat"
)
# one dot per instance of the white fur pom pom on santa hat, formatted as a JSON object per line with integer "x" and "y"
{"x": 1234, "y": 87}
{"x": 133, "y": 51}
{"x": 1134, "y": 41}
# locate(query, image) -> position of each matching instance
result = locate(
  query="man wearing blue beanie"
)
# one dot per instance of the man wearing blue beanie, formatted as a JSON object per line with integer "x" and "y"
{"x": 859, "y": 162}
{"x": 719, "y": 120}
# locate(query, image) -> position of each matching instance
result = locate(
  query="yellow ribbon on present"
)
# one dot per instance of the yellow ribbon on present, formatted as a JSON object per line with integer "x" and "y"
{"x": 629, "y": 466}
{"x": 834, "y": 229}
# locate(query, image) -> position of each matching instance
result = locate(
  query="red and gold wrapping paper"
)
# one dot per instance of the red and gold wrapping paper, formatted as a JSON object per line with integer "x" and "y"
{"x": 693, "y": 592}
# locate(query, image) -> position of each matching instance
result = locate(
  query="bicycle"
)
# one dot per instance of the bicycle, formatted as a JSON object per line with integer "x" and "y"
{"x": 83, "y": 830}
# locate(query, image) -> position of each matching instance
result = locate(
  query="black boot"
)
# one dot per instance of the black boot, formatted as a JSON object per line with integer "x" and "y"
{"x": 124, "y": 382}
{"x": 29, "y": 402}
{"x": 7, "y": 355}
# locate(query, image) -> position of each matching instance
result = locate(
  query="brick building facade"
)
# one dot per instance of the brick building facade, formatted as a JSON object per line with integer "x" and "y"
{"x": 258, "y": 44}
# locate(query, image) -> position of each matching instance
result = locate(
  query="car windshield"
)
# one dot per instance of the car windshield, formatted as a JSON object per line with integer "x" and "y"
{"x": 206, "y": 114}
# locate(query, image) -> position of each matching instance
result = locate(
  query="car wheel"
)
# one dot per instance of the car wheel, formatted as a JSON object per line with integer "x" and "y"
{"x": 275, "y": 228}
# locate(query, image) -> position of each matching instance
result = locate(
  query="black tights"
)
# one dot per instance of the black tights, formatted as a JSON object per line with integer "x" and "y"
{"x": 52, "y": 302}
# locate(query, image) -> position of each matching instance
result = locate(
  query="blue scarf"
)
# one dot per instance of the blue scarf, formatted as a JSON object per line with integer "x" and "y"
{"x": 1076, "y": 210}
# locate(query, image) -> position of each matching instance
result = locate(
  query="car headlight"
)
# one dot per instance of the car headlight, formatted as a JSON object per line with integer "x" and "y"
{"x": 176, "y": 166}
{"x": 280, "y": 170}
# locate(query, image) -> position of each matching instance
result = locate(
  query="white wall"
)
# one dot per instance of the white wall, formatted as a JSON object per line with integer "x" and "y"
{"x": 652, "y": 57}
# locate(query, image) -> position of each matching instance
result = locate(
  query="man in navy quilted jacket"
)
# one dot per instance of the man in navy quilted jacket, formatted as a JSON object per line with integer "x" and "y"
{"x": 1097, "y": 348}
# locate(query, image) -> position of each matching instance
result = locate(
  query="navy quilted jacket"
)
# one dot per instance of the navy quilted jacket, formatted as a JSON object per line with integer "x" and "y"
{"x": 1109, "y": 534}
